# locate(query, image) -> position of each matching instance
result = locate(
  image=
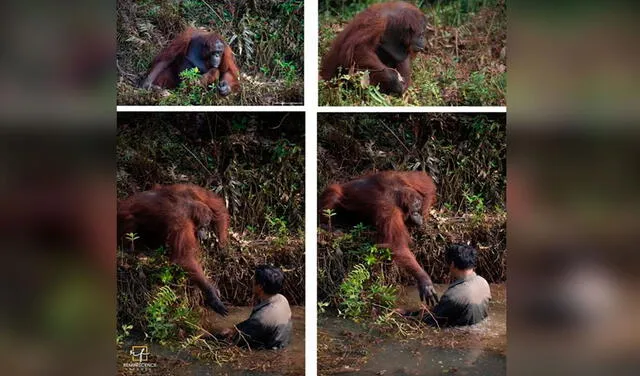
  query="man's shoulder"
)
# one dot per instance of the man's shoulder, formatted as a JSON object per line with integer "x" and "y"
{"x": 277, "y": 308}
{"x": 479, "y": 288}
{"x": 280, "y": 299}
{"x": 483, "y": 282}
{"x": 471, "y": 283}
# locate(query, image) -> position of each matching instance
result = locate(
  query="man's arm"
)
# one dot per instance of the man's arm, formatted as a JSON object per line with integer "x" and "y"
{"x": 443, "y": 314}
{"x": 249, "y": 333}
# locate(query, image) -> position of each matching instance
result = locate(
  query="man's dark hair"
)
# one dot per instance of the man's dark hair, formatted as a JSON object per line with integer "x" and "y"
{"x": 462, "y": 256}
{"x": 269, "y": 278}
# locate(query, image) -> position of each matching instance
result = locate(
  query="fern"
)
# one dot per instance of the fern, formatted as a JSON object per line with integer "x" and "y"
{"x": 351, "y": 291}
{"x": 165, "y": 315}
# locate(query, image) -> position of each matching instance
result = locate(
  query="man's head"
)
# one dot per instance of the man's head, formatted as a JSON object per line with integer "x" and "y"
{"x": 267, "y": 281}
{"x": 461, "y": 259}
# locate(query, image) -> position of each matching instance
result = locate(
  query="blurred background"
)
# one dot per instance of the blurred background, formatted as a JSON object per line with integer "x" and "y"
{"x": 572, "y": 188}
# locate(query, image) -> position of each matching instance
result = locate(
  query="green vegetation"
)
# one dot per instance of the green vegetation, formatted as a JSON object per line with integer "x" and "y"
{"x": 364, "y": 288}
{"x": 362, "y": 293}
{"x": 166, "y": 314}
{"x": 267, "y": 39}
{"x": 465, "y": 62}
{"x": 126, "y": 330}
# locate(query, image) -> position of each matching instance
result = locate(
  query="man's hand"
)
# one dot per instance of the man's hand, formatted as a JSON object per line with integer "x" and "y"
{"x": 401, "y": 311}
{"x": 228, "y": 333}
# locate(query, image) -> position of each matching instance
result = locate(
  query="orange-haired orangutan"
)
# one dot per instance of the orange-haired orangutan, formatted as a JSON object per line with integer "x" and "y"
{"x": 387, "y": 200}
{"x": 381, "y": 39}
{"x": 195, "y": 48}
{"x": 176, "y": 215}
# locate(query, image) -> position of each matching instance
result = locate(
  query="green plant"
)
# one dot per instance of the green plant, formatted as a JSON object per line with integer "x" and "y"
{"x": 190, "y": 87}
{"x": 278, "y": 226}
{"x": 284, "y": 149}
{"x": 166, "y": 276}
{"x": 126, "y": 330}
{"x": 343, "y": 240}
{"x": 290, "y": 6}
{"x": 383, "y": 295}
{"x": 354, "y": 304}
{"x": 360, "y": 293}
{"x": 288, "y": 70}
{"x": 358, "y": 229}
{"x": 329, "y": 213}
{"x": 353, "y": 88}
{"x": 322, "y": 306}
{"x": 132, "y": 237}
{"x": 190, "y": 91}
{"x": 375, "y": 255}
{"x": 239, "y": 124}
{"x": 481, "y": 88}
{"x": 475, "y": 202}
{"x": 171, "y": 273}
{"x": 166, "y": 314}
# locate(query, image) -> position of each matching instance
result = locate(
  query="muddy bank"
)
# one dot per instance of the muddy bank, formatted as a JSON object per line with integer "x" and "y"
{"x": 345, "y": 347}
{"x": 231, "y": 360}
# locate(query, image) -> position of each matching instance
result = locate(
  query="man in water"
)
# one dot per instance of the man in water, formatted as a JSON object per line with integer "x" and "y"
{"x": 466, "y": 301}
{"x": 269, "y": 325}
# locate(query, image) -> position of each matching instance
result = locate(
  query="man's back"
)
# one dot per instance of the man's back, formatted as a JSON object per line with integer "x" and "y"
{"x": 466, "y": 302}
{"x": 269, "y": 325}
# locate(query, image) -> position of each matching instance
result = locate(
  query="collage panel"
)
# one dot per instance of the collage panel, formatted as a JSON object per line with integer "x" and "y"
{"x": 411, "y": 244}
{"x": 227, "y": 53}
{"x": 210, "y": 253}
{"x": 424, "y": 53}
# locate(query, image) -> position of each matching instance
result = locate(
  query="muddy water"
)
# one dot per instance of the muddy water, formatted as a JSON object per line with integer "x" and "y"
{"x": 233, "y": 360}
{"x": 349, "y": 348}
{"x": 288, "y": 361}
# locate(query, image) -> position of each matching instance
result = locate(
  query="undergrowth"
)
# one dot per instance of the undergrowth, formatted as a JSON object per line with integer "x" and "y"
{"x": 465, "y": 61}
{"x": 166, "y": 314}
